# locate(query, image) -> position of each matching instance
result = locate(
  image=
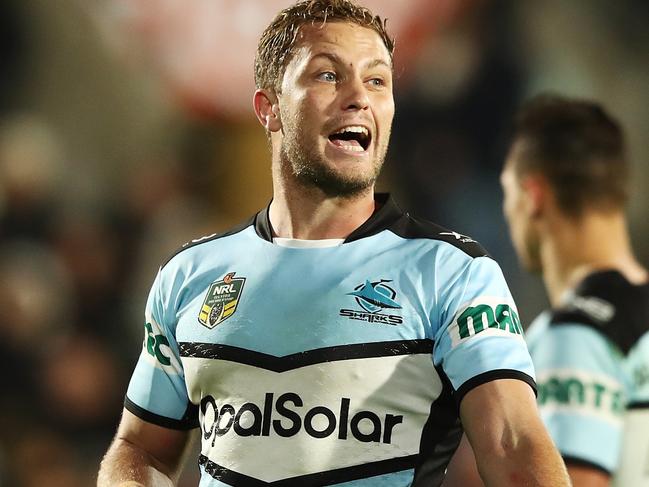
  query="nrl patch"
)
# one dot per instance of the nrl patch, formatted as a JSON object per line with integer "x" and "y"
{"x": 221, "y": 300}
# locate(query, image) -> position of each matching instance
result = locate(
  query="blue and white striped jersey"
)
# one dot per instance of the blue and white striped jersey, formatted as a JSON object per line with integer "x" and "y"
{"x": 591, "y": 357}
{"x": 342, "y": 365}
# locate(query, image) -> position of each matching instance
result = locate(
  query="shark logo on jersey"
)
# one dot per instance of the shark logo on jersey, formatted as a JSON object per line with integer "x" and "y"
{"x": 221, "y": 300}
{"x": 374, "y": 297}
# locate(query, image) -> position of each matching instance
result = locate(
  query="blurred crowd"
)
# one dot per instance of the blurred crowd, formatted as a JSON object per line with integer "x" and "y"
{"x": 73, "y": 278}
{"x": 104, "y": 172}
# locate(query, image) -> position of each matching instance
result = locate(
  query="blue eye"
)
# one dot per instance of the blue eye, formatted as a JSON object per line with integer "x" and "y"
{"x": 327, "y": 76}
{"x": 377, "y": 82}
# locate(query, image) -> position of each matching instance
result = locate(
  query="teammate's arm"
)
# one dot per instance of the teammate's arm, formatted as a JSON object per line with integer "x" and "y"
{"x": 511, "y": 445}
{"x": 462, "y": 470}
{"x": 143, "y": 454}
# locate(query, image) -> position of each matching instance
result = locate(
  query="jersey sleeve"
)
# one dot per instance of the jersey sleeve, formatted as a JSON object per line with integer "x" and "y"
{"x": 638, "y": 370}
{"x": 481, "y": 337}
{"x": 633, "y": 467}
{"x": 157, "y": 391}
{"x": 581, "y": 393}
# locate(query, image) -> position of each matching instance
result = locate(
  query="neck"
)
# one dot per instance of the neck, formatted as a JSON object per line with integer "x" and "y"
{"x": 573, "y": 248}
{"x": 307, "y": 213}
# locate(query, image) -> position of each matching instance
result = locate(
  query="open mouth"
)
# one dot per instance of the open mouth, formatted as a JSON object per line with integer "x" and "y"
{"x": 354, "y": 138}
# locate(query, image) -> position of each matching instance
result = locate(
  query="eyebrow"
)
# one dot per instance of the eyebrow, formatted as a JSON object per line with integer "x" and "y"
{"x": 334, "y": 58}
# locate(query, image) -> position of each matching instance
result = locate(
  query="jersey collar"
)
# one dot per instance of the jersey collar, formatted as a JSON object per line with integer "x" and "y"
{"x": 387, "y": 212}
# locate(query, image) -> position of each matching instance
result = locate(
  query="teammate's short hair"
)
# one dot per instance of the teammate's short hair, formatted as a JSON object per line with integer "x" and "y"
{"x": 579, "y": 148}
{"x": 277, "y": 42}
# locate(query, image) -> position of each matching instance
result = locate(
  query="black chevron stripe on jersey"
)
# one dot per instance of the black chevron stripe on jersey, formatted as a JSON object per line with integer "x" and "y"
{"x": 329, "y": 477}
{"x": 303, "y": 359}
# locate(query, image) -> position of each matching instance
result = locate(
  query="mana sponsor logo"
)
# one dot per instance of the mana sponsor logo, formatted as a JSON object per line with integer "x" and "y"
{"x": 221, "y": 300}
{"x": 480, "y": 317}
{"x": 287, "y": 417}
{"x": 372, "y": 298}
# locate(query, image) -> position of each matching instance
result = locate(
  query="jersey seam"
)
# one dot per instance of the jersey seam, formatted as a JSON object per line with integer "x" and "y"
{"x": 461, "y": 301}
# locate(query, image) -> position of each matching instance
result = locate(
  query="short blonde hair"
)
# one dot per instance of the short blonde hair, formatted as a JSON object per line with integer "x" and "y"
{"x": 277, "y": 42}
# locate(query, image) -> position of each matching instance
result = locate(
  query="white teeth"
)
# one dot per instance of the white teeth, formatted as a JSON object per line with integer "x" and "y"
{"x": 354, "y": 148}
{"x": 353, "y": 128}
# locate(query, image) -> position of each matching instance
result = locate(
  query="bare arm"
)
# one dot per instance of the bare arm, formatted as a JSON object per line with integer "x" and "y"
{"x": 463, "y": 472}
{"x": 511, "y": 445}
{"x": 142, "y": 454}
{"x": 583, "y": 476}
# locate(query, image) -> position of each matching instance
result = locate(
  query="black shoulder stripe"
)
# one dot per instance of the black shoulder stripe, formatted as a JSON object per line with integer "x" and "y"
{"x": 330, "y": 477}
{"x": 390, "y": 217}
{"x": 563, "y": 317}
{"x": 570, "y": 317}
{"x": 209, "y": 238}
{"x": 189, "y": 420}
{"x": 638, "y": 405}
{"x": 304, "y": 359}
{"x": 608, "y": 303}
{"x": 411, "y": 227}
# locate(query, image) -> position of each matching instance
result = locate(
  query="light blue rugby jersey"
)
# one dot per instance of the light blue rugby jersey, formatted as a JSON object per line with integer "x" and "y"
{"x": 342, "y": 365}
{"x": 591, "y": 357}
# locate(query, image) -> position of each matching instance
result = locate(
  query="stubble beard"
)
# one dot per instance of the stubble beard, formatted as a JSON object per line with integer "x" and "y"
{"x": 310, "y": 168}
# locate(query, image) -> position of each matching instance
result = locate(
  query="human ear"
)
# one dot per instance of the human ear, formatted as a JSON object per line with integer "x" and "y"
{"x": 536, "y": 192}
{"x": 266, "y": 105}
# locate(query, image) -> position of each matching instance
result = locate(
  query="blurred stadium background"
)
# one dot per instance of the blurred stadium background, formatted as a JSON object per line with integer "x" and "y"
{"x": 126, "y": 129}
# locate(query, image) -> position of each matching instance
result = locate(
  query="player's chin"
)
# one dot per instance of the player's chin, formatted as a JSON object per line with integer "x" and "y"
{"x": 360, "y": 175}
{"x": 344, "y": 182}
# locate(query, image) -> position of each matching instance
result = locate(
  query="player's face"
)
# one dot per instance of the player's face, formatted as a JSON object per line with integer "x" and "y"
{"x": 336, "y": 107}
{"x": 521, "y": 228}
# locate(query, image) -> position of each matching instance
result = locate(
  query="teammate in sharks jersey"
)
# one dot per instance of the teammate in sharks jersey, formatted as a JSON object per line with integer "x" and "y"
{"x": 565, "y": 183}
{"x": 332, "y": 339}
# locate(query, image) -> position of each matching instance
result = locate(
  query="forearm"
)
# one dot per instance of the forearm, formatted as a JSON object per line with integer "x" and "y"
{"x": 512, "y": 447}
{"x": 125, "y": 465}
{"x": 530, "y": 461}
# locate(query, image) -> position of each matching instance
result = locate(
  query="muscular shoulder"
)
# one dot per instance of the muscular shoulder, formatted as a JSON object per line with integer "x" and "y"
{"x": 410, "y": 227}
{"x": 195, "y": 246}
{"x": 390, "y": 217}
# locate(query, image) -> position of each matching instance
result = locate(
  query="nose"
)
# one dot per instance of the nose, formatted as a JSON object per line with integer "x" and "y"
{"x": 355, "y": 95}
